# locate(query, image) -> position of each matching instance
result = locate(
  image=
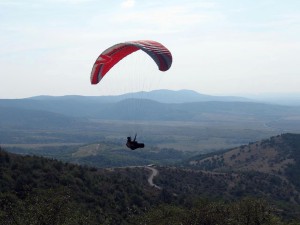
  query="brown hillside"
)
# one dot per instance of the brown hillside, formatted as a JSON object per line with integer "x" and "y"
{"x": 268, "y": 156}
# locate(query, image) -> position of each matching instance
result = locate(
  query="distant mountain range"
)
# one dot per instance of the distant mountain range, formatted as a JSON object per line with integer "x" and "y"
{"x": 163, "y": 96}
{"x": 91, "y": 106}
{"x": 161, "y": 105}
{"x": 280, "y": 98}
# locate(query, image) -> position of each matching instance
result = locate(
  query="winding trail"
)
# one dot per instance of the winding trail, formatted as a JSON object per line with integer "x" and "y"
{"x": 154, "y": 173}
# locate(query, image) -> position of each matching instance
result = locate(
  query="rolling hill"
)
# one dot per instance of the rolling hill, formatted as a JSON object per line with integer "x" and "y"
{"x": 276, "y": 156}
{"x": 17, "y": 118}
{"x": 162, "y": 105}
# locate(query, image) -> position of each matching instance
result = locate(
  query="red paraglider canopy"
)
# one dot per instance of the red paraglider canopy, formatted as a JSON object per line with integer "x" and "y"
{"x": 111, "y": 56}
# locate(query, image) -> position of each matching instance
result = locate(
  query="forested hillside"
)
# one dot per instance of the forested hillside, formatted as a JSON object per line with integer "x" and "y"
{"x": 36, "y": 190}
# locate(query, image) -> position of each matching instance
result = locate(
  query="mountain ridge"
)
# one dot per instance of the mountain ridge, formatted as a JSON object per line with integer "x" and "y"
{"x": 162, "y": 95}
{"x": 147, "y": 109}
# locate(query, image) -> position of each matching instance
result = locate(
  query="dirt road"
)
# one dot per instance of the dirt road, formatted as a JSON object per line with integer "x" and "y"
{"x": 154, "y": 173}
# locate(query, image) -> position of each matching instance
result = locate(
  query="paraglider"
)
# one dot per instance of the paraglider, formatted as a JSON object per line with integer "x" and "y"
{"x": 111, "y": 56}
{"x": 134, "y": 144}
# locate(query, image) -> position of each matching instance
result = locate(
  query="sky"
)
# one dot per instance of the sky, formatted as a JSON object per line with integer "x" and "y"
{"x": 219, "y": 47}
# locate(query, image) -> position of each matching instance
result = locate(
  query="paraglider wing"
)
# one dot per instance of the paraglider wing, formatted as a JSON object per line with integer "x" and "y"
{"x": 111, "y": 56}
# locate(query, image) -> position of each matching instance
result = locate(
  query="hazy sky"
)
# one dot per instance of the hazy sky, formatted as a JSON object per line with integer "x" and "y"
{"x": 48, "y": 47}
